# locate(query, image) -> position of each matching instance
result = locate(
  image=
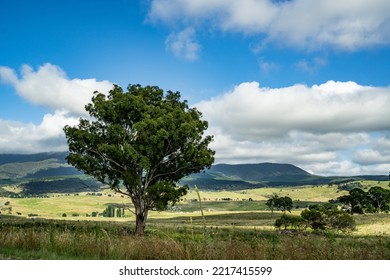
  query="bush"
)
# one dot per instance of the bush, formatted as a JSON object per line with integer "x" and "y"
{"x": 328, "y": 217}
{"x": 64, "y": 215}
{"x": 342, "y": 221}
{"x": 290, "y": 222}
{"x": 314, "y": 218}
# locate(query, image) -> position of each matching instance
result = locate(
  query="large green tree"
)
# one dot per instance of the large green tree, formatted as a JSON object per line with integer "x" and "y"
{"x": 141, "y": 143}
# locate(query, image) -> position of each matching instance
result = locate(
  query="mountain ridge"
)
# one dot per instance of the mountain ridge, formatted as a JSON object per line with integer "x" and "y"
{"x": 12, "y": 158}
{"x": 256, "y": 171}
{"x": 22, "y": 168}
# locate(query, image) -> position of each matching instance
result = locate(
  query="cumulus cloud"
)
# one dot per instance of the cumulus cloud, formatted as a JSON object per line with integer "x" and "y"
{"x": 17, "y": 137}
{"x": 377, "y": 153}
{"x": 330, "y": 107}
{"x": 183, "y": 44}
{"x": 49, "y": 86}
{"x": 347, "y": 25}
{"x": 311, "y": 126}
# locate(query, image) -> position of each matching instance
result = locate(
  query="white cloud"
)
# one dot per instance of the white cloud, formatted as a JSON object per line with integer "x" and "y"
{"x": 251, "y": 111}
{"x": 337, "y": 168}
{"x": 16, "y": 137}
{"x": 50, "y": 87}
{"x": 369, "y": 156}
{"x": 183, "y": 44}
{"x": 347, "y": 25}
{"x": 266, "y": 67}
{"x": 315, "y": 127}
{"x": 377, "y": 153}
{"x": 311, "y": 66}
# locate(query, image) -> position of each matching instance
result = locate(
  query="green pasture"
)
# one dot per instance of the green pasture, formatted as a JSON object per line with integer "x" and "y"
{"x": 212, "y": 201}
{"x": 244, "y": 208}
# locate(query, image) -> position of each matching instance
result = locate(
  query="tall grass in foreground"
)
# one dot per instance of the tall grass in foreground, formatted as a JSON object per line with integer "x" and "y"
{"x": 53, "y": 240}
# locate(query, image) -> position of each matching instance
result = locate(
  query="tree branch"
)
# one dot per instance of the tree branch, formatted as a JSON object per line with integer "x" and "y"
{"x": 104, "y": 157}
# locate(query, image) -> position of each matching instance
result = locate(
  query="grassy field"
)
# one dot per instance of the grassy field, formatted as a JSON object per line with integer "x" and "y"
{"x": 83, "y": 204}
{"x": 230, "y": 237}
{"x": 235, "y": 222}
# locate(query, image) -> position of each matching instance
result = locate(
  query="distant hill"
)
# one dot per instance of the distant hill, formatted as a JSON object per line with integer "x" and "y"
{"x": 259, "y": 172}
{"x": 18, "y": 166}
{"x": 49, "y": 172}
{"x": 13, "y": 158}
{"x": 240, "y": 176}
{"x": 244, "y": 176}
{"x": 43, "y": 173}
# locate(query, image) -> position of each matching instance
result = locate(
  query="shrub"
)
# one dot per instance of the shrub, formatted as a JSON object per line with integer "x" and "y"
{"x": 314, "y": 218}
{"x": 290, "y": 221}
{"x": 342, "y": 221}
{"x": 328, "y": 217}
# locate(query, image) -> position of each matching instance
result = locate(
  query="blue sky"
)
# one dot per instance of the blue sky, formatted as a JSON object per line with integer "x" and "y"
{"x": 300, "y": 81}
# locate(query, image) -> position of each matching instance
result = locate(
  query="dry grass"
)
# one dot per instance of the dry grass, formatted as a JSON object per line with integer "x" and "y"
{"x": 236, "y": 229}
{"x": 71, "y": 240}
{"x": 372, "y": 224}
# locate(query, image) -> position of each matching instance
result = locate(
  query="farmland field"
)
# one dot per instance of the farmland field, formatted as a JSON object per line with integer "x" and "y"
{"x": 63, "y": 226}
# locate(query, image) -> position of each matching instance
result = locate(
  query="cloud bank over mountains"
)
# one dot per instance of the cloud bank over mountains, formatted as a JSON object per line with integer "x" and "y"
{"x": 307, "y": 24}
{"x": 332, "y": 128}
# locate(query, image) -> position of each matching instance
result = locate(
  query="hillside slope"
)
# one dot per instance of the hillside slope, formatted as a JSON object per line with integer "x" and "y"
{"x": 36, "y": 170}
{"x": 245, "y": 176}
{"x": 258, "y": 172}
{"x": 241, "y": 176}
{"x": 19, "y": 167}
{"x": 43, "y": 173}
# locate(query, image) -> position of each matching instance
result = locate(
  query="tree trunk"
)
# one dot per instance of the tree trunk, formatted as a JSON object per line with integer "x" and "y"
{"x": 140, "y": 221}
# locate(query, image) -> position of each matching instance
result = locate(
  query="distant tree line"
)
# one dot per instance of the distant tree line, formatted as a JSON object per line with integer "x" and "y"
{"x": 329, "y": 216}
{"x": 318, "y": 218}
{"x": 375, "y": 200}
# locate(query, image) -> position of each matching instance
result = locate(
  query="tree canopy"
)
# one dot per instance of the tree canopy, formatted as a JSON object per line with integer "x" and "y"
{"x": 141, "y": 143}
{"x": 282, "y": 203}
{"x": 376, "y": 199}
{"x": 328, "y": 217}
